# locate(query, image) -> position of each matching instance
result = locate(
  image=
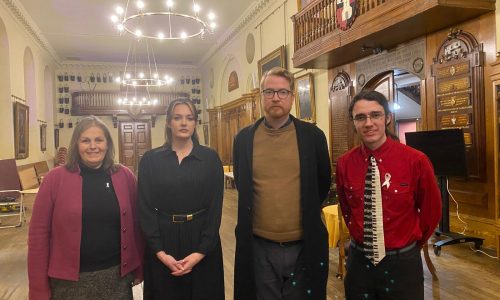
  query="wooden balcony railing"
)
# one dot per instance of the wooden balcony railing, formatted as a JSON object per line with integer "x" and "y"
{"x": 379, "y": 24}
{"x": 106, "y": 103}
{"x": 319, "y": 19}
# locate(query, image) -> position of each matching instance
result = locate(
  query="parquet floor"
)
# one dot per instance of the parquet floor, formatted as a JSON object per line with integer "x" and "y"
{"x": 462, "y": 273}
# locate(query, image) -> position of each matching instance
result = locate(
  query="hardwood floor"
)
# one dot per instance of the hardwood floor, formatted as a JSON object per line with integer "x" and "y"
{"x": 462, "y": 273}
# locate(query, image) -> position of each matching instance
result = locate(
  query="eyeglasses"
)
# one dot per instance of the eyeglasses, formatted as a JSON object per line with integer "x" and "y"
{"x": 374, "y": 115}
{"x": 282, "y": 94}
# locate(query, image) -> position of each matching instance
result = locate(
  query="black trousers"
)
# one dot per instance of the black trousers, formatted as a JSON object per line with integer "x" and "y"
{"x": 274, "y": 267}
{"x": 398, "y": 276}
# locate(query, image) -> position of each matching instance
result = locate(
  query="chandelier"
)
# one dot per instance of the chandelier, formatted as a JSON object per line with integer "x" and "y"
{"x": 158, "y": 20}
{"x": 140, "y": 75}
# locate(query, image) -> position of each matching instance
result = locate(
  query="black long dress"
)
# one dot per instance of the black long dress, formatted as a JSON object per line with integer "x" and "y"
{"x": 166, "y": 188}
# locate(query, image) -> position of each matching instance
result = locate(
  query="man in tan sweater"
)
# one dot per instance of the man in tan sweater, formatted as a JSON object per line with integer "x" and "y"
{"x": 282, "y": 172}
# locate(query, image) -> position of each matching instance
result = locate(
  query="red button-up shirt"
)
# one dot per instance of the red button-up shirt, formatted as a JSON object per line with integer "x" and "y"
{"x": 411, "y": 199}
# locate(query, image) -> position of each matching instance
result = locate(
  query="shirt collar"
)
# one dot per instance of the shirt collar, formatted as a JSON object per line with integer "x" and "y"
{"x": 282, "y": 126}
{"x": 380, "y": 151}
{"x": 196, "y": 152}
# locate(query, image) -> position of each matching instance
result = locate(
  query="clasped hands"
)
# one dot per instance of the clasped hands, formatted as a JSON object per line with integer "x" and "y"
{"x": 180, "y": 267}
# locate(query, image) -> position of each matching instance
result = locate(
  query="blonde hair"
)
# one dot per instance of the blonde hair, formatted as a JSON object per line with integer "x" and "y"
{"x": 280, "y": 72}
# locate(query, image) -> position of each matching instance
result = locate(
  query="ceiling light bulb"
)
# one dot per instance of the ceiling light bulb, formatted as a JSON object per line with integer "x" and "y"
{"x": 141, "y": 75}
{"x": 143, "y": 98}
{"x": 127, "y": 75}
{"x": 119, "y": 10}
{"x": 213, "y": 25}
{"x": 196, "y": 8}
{"x": 114, "y": 18}
{"x": 134, "y": 82}
{"x": 183, "y": 35}
{"x": 120, "y": 27}
{"x": 170, "y": 3}
{"x": 161, "y": 35}
{"x": 119, "y": 100}
{"x": 155, "y": 101}
{"x": 118, "y": 79}
{"x": 155, "y": 75}
{"x": 140, "y": 4}
{"x": 211, "y": 16}
{"x": 134, "y": 99}
{"x": 138, "y": 32}
{"x": 159, "y": 83}
{"x": 125, "y": 100}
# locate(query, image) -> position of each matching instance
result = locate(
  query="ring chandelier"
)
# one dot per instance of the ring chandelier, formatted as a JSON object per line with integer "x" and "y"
{"x": 162, "y": 22}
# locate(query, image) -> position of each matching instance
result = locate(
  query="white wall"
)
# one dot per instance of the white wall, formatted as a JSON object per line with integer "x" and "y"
{"x": 16, "y": 40}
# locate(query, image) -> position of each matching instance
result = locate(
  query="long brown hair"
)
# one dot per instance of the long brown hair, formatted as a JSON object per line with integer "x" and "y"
{"x": 170, "y": 109}
{"x": 108, "y": 164}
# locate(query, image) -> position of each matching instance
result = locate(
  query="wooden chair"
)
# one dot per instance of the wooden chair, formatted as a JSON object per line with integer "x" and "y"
{"x": 11, "y": 196}
{"x": 28, "y": 177}
{"x": 41, "y": 169}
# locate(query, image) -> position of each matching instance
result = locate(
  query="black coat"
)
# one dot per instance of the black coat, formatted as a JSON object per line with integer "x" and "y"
{"x": 315, "y": 171}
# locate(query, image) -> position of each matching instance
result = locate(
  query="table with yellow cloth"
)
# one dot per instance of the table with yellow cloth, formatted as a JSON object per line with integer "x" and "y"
{"x": 331, "y": 214}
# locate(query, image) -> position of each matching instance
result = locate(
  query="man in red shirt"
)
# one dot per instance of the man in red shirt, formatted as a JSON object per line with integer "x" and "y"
{"x": 390, "y": 212}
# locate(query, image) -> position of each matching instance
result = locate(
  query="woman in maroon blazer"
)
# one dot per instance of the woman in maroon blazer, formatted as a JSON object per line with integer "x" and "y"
{"x": 84, "y": 241}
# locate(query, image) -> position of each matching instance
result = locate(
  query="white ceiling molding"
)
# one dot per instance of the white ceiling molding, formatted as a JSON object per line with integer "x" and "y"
{"x": 249, "y": 15}
{"x": 23, "y": 18}
{"x": 109, "y": 65}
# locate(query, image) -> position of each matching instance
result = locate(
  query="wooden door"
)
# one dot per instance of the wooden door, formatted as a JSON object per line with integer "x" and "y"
{"x": 134, "y": 139}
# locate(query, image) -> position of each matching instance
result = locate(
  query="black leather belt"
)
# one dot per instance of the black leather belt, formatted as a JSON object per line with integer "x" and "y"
{"x": 387, "y": 252}
{"x": 282, "y": 244}
{"x": 177, "y": 218}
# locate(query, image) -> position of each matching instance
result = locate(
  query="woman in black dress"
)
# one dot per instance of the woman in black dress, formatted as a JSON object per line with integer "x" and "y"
{"x": 180, "y": 206}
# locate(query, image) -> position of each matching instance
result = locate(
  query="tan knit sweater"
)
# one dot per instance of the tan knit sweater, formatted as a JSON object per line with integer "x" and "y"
{"x": 276, "y": 178}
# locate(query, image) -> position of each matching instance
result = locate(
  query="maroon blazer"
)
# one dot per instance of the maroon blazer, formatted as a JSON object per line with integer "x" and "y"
{"x": 56, "y": 227}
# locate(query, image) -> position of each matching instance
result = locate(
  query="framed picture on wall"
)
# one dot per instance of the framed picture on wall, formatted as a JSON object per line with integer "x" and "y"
{"x": 277, "y": 58}
{"x": 206, "y": 135}
{"x": 21, "y": 130}
{"x": 302, "y": 3}
{"x": 304, "y": 98}
{"x": 43, "y": 137}
{"x": 56, "y": 138}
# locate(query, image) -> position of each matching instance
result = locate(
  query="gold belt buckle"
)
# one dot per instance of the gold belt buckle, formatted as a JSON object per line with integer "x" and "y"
{"x": 175, "y": 221}
{"x": 189, "y": 217}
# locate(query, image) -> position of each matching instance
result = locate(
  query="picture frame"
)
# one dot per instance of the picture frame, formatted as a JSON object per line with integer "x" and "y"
{"x": 21, "y": 130}
{"x": 56, "y": 138}
{"x": 206, "y": 136}
{"x": 276, "y": 58}
{"x": 304, "y": 98}
{"x": 303, "y": 3}
{"x": 43, "y": 137}
{"x": 232, "y": 82}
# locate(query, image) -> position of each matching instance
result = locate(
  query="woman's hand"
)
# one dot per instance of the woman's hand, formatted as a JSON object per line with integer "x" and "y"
{"x": 170, "y": 262}
{"x": 188, "y": 263}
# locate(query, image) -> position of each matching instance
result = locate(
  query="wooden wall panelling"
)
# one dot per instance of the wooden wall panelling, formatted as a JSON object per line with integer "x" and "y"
{"x": 227, "y": 120}
{"x": 495, "y": 80}
{"x": 341, "y": 128}
{"x": 477, "y": 198}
